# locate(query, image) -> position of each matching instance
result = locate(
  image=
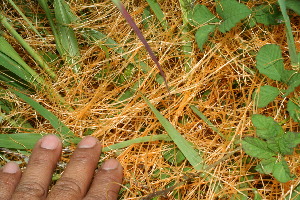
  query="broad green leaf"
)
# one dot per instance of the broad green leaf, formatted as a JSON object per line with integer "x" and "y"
{"x": 158, "y": 13}
{"x": 269, "y": 61}
{"x": 267, "y": 14}
{"x": 265, "y": 95}
{"x": 266, "y": 166}
{"x": 288, "y": 142}
{"x": 201, "y": 17}
{"x": 60, "y": 127}
{"x": 19, "y": 140}
{"x": 66, "y": 34}
{"x": 185, "y": 147}
{"x": 232, "y": 13}
{"x": 293, "y": 82}
{"x": 272, "y": 144}
{"x": 266, "y": 127}
{"x": 202, "y": 35}
{"x": 294, "y": 111}
{"x": 281, "y": 172}
{"x": 293, "y": 5}
{"x": 256, "y": 148}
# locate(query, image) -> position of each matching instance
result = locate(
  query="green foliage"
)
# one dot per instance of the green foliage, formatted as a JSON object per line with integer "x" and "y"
{"x": 61, "y": 128}
{"x": 232, "y": 13}
{"x": 201, "y": 17}
{"x": 173, "y": 155}
{"x": 19, "y": 141}
{"x": 158, "y": 13}
{"x": 269, "y": 61}
{"x": 266, "y": 14}
{"x": 185, "y": 147}
{"x": 293, "y": 5}
{"x": 271, "y": 147}
{"x": 265, "y": 95}
{"x": 294, "y": 110}
{"x": 289, "y": 34}
{"x": 66, "y": 34}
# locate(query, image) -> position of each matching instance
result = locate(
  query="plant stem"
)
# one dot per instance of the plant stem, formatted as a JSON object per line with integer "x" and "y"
{"x": 289, "y": 34}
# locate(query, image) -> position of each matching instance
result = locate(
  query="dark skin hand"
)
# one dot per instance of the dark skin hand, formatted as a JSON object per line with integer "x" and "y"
{"x": 79, "y": 180}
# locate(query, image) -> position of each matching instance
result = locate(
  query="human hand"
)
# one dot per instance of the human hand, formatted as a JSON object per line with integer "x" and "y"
{"x": 78, "y": 181}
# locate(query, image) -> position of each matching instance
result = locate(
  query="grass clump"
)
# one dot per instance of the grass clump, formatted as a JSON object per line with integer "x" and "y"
{"x": 79, "y": 69}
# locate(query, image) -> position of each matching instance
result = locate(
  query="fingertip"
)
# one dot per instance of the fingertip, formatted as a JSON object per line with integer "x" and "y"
{"x": 88, "y": 142}
{"x": 50, "y": 142}
{"x": 110, "y": 164}
{"x": 11, "y": 168}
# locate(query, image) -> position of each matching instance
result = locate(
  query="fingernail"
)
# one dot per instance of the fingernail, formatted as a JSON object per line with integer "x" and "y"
{"x": 87, "y": 142}
{"x": 50, "y": 142}
{"x": 11, "y": 168}
{"x": 110, "y": 164}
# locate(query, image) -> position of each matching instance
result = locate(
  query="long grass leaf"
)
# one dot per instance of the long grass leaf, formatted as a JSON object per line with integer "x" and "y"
{"x": 133, "y": 25}
{"x": 289, "y": 34}
{"x": 25, "y": 18}
{"x": 206, "y": 120}
{"x": 27, "y": 47}
{"x": 158, "y": 13}
{"x": 185, "y": 147}
{"x": 19, "y": 140}
{"x": 137, "y": 140}
{"x": 44, "y": 5}
{"x": 66, "y": 34}
{"x": 60, "y": 127}
{"x": 11, "y": 60}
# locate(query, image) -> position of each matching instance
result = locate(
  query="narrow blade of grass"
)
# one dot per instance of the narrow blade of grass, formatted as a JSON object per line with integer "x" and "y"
{"x": 66, "y": 34}
{"x": 60, "y": 127}
{"x": 137, "y": 140}
{"x": 185, "y": 147}
{"x": 19, "y": 140}
{"x": 289, "y": 34}
{"x": 133, "y": 25}
{"x": 25, "y": 18}
{"x": 11, "y": 60}
{"x": 158, "y": 13}
{"x": 44, "y": 5}
{"x": 204, "y": 118}
{"x": 27, "y": 47}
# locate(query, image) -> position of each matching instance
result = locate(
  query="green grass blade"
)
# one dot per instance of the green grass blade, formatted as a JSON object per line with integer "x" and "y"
{"x": 102, "y": 39}
{"x": 24, "y": 17}
{"x": 158, "y": 13}
{"x": 11, "y": 60}
{"x": 185, "y": 147}
{"x": 137, "y": 140}
{"x": 66, "y": 34}
{"x": 289, "y": 34}
{"x": 44, "y": 5}
{"x": 207, "y": 121}
{"x": 19, "y": 140}
{"x": 27, "y": 47}
{"x": 54, "y": 121}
